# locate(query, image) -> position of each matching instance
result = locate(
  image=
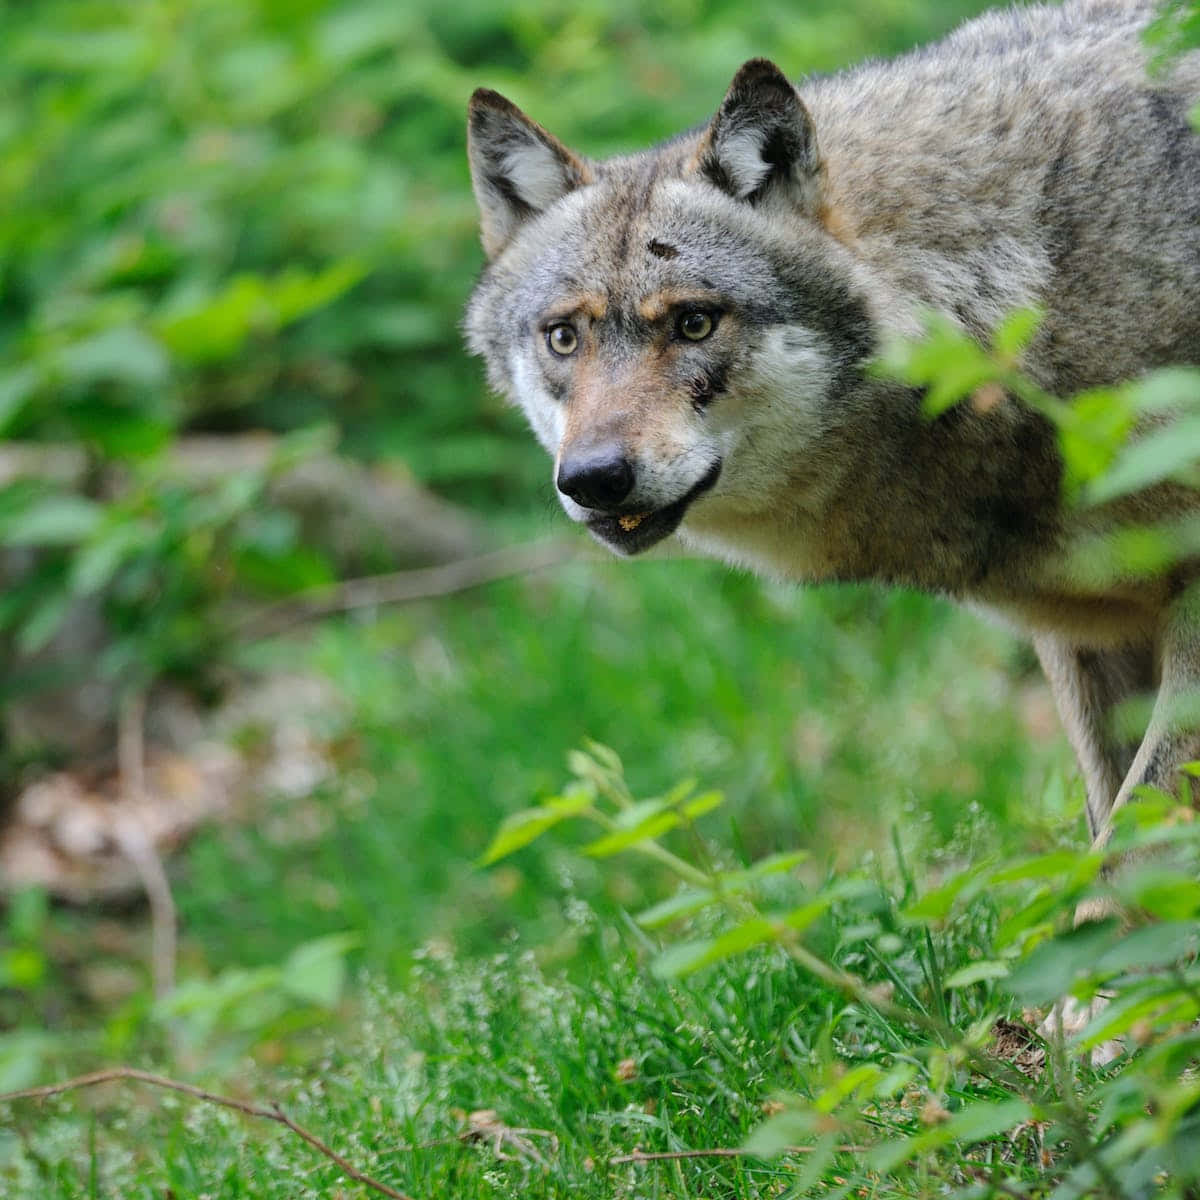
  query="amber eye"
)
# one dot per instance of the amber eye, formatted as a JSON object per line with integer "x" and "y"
{"x": 562, "y": 339}
{"x": 695, "y": 325}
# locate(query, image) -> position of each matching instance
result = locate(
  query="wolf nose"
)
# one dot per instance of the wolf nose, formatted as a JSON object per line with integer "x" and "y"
{"x": 600, "y": 479}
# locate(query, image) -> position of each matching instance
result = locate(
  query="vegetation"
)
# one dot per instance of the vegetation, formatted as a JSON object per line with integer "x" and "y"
{"x": 230, "y": 216}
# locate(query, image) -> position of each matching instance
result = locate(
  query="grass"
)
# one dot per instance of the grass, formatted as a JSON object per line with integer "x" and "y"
{"x": 596, "y": 1069}
{"x": 834, "y": 719}
{"x": 826, "y": 717}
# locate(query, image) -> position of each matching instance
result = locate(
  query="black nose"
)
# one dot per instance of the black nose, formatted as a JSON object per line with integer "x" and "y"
{"x": 597, "y": 478}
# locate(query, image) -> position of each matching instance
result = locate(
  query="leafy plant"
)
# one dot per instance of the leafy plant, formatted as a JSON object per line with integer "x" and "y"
{"x": 161, "y": 558}
{"x": 239, "y": 1008}
{"x": 977, "y": 1119}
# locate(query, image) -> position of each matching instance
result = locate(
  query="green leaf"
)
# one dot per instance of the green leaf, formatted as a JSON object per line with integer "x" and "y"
{"x": 1167, "y": 894}
{"x": 125, "y": 354}
{"x": 686, "y": 957}
{"x": 978, "y": 1121}
{"x": 17, "y": 388}
{"x": 936, "y": 905}
{"x": 729, "y": 883}
{"x": 652, "y": 827}
{"x": 1092, "y": 431}
{"x": 521, "y": 828}
{"x": 584, "y": 766}
{"x": 1016, "y": 332}
{"x": 45, "y": 622}
{"x": 957, "y": 381}
{"x": 850, "y": 888}
{"x": 973, "y": 1123}
{"x": 316, "y": 971}
{"x": 773, "y": 864}
{"x": 217, "y": 327}
{"x": 895, "y": 1081}
{"x": 1161, "y": 1006}
{"x": 1171, "y": 390}
{"x": 636, "y": 815}
{"x": 22, "y": 967}
{"x": 1053, "y": 968}
{"x": 682, "y": 904}
{"x": 1153, "y": 946}
{"x": 702, "y": 804}
{"x": 1151, "y": 459}
{"x": 606, "y": 756}
{"x": 23, "y": 1056}
{"x": 28, "y": 910}
{"x": 863, "y": 1076}
{"x": 295, "y": 294}
{"x": 777, "y": 1134}
{"x": 96, "y": 562}
{"x": 56, "y": 520}
{"x": 976, "y": 972}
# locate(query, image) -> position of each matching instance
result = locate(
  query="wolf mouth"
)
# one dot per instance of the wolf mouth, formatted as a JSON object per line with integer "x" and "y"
{"x": 631, "y": 533}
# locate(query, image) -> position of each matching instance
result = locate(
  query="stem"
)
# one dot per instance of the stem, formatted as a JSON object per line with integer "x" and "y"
{"x": 679, "y": 866}
{"x": 137, "y": 846}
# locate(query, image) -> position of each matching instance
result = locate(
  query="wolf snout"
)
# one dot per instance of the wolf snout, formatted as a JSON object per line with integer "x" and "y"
{"x": 600, "y": 477}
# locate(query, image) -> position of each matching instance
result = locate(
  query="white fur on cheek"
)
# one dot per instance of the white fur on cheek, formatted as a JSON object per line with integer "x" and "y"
{"x": 793, "y": 362}
{"x": 536, "y": 173}
{"x": 776, "y": 413}
{"x": 544, "y": 413}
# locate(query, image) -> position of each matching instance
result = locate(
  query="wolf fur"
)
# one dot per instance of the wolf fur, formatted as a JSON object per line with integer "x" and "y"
{"x": 1028, "y": 159}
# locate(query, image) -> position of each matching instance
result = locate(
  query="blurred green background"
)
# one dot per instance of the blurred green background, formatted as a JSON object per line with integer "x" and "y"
{"x": 226, "y": 216}
{"x": 220, "y": 217}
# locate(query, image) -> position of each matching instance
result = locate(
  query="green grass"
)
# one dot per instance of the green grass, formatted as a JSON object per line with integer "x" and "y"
{"x": 900, "y": 742}
{"x": 598, "y": 1068}
{"x": 834, "y": 719}
{"x": 827, "y": 717}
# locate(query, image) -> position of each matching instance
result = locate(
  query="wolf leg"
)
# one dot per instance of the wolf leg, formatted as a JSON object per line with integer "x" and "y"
{"x": 1087, "y": 685}
{"x": 1173, "y": 735}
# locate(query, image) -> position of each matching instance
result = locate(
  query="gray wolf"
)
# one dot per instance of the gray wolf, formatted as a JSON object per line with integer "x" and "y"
{"x": 690, "y": 329}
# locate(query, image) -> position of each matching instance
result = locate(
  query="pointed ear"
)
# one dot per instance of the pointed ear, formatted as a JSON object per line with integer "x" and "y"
{"x": 517, "y": 168}
{"x": 762, "y": 143}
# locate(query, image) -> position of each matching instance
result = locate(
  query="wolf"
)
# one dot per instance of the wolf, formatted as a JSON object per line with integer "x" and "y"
{"x": 690, "y": 331}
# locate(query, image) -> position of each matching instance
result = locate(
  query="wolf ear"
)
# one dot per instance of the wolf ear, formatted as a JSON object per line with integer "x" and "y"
{"x": 517, "y": 168}
{"x": 761, "y": 142}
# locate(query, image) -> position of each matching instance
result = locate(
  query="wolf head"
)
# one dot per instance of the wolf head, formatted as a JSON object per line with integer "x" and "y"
{"x": 677, "y": 325}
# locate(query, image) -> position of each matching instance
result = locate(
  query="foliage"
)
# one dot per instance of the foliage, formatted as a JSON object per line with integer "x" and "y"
{"x": 260, "y": 213}
{"x": 163, "y": 559}
{"x": 1080, "y": 1134}
{"x": 239, "y": 1008}
{"x": 862, "y": 1034}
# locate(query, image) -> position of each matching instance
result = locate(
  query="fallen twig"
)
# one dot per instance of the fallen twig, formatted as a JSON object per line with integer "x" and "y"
{"x": 400, "y": 587}
{"x": 643, "y": 1156}
{"x": 272, "y": 1113}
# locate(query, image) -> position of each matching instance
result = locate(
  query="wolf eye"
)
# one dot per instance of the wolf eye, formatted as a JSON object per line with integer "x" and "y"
{"x": 695, "y": 325}
{"x": 562, "y": 339}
